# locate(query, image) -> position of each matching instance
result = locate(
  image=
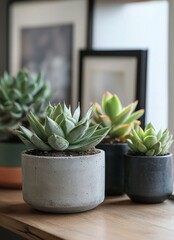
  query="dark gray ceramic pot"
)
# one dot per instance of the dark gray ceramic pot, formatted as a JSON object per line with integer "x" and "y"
{"x": 148, "y": 179}
{"x": 114, "y": 167}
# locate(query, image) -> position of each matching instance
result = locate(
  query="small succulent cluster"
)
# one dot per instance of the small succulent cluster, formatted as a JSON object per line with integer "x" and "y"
{"x": 19, "y": 95}
{"x": 149, "y": 142}
{"x": 62, "y": 130}
{"x": 112, "y": 114}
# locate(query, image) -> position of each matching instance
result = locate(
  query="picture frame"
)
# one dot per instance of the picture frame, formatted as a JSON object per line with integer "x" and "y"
{"x": 122, "y": 72}
{"x": 18, "y": 18}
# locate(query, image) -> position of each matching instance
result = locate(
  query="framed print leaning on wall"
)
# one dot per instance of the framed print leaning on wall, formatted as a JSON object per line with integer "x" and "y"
{"x": 46, "y": 36}
{"x": 122, "y": 72}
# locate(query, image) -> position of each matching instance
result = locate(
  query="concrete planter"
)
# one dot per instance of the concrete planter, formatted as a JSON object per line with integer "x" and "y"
{"x": 63, "y": 184}
{"x": 148, "y": 179}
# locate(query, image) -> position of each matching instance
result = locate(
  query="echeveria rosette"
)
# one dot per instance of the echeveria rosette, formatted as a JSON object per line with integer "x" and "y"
{"x": 19, "y": 95}
{"x": 149, "y": 142}
{"x": 62, "y": 131}
{"x": 120, "y": 119}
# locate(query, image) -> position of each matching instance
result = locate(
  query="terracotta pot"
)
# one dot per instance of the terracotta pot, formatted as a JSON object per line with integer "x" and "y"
{"x": 63, "y": 184}
{"x": 10, "y": 164}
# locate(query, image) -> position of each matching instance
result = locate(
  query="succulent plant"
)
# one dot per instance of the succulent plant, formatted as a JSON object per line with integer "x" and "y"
{"x": 19, "y": 95}
{"x": 112, "y": 114}
{"x": 149, "y": 142}
{"x": 62, "y": 130}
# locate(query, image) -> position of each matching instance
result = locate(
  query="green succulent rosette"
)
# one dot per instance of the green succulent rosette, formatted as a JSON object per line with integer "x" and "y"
{"x": 149, "y": 142}
{"x": 61, "y": 130}
{"x": 19, "y": 95}
{"x": 120, "y": 119}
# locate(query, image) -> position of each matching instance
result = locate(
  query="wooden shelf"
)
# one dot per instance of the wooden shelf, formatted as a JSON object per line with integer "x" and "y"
{"x": 117, "y": 218}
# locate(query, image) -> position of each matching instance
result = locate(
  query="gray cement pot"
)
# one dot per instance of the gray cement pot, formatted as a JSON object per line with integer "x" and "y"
{"x": 63, "y": 184}
{"x": 148, "y": 179}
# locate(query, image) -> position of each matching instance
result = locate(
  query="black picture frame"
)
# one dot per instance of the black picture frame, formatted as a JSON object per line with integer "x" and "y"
{"x": 5, "y": 52}
{"x": 96, "y": 55}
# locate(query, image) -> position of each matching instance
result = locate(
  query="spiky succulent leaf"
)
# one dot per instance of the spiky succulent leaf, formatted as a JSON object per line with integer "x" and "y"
{"x": 77, "y": 132}
{"x": 58, "y": 143}
{"x": 36, "y": 126}
{"x": 76, "y": 114}
{"x": 120, "y": 130}
{"x": 62, "y": 132}
{"x": 121, "y": 117}
{"x": 39, "y": 143}
{"x": 149, "y": 142}
{"x": 51, "y": 127}
{"x": 19, "y": 95}
{"x": 135, "y": 116}
{"x": 112, "y": 114}
{"x": 105, "y": 121}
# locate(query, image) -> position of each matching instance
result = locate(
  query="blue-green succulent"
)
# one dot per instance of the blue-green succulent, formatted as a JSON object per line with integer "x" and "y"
{"x": 19, "y": 95}
{"x": 62, "y": 130}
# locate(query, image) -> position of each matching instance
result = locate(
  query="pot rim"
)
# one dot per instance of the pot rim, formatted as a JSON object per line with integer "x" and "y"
{"x": 62, "y": 157}
{"x": 113, "y": 144}
{"x": 143, "y": 157}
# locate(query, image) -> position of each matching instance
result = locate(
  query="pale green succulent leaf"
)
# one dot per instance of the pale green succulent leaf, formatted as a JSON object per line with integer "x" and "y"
{"x": 149, "y": 141}
{"x": 140, "y": 133}
{"x": 90, "y": 131}
{"x": 106, "y": 96}
{"x": 51, "y": 127}
{"x": 105, "y": 121}
{"x": 97, "y": 109}
{"x": 136, "y": 135}
{"x": 150, "y": 152}
{"x": 164, "y": 137}
{"x": 49, "y": 110}
{"x": 26, "y": 132}
{"x": 101, "y": 132}
{"x": 77, "y": 132}
{"x": 57, "y": 111}
{"x": 36, "y": 126}
{"x": 29, "y": 144}
{"x": 88, "y": 114}
{"x": 120, "y": 131}
{"x": 112, "y": 107}
{"x": 85, "y": 145}
{"x": 159, "y": 134}
{"x": 134, "y": 116}
{"x": 149, "y": 131}
{"x": 76, "y": 114}
{"x": 131, "y": 146}
{"x": 58, "y": 143}
{"x": 67, "y": 126}
{"x": 149, "y": 126}
{"x": 121, "y": 117}
{"x": 39, "y": 144}
{"x": 66, "y": 110}
{"x": 133, "y": 105}
{"x": 60, "y": 118}
{"x": 141, "y": 147}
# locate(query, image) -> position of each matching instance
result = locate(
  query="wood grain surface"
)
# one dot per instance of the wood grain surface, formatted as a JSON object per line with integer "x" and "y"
{"x": 116, "y": 219}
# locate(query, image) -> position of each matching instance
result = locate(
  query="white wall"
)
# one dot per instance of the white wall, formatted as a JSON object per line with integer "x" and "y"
{"x": 139, "y": 25}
